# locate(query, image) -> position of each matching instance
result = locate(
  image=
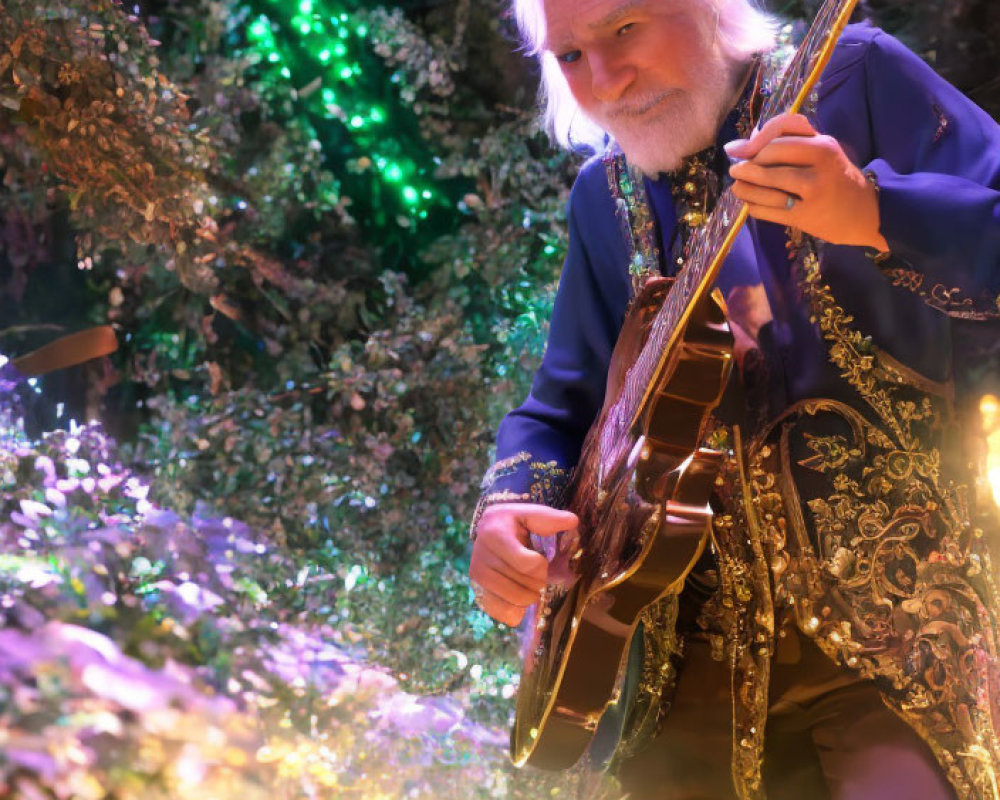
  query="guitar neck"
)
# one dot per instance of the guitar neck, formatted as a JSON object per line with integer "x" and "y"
{"x": 711, "y": 243}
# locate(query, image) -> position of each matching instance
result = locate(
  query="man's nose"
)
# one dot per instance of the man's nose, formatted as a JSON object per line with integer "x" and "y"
{"x": 609, "y": 77}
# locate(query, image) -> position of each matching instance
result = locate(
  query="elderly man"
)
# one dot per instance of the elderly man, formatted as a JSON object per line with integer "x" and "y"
{"x": 839, "y": 639}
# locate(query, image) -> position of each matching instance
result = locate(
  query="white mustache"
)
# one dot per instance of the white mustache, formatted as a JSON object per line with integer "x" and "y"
{"x": 637, "y": 107}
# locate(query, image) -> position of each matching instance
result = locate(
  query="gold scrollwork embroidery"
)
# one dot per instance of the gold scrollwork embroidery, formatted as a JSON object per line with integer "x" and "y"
{"x": 949, "y": 299}
{"x": 907, "y": 596}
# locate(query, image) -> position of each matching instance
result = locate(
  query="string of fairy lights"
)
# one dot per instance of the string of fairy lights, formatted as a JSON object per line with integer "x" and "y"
{"x": 318, "y": 49}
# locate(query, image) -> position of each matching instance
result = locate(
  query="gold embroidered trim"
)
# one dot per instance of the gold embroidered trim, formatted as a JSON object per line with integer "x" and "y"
{"x": 636, "y": 220}
{"x": 548, "y": 480}
{"x": 950, "y": 300}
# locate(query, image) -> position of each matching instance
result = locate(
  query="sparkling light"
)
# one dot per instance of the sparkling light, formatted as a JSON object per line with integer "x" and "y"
{"x": 306, "y": 51}
{"x": 260, "y": 29}
{"x": 989, "y": 409}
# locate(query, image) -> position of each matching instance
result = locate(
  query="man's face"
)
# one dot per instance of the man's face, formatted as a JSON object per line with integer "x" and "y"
{"x": 650, "y": 72}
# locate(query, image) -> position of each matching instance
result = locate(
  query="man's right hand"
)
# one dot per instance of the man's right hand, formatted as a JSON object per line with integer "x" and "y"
{"x": 510, "y": 574}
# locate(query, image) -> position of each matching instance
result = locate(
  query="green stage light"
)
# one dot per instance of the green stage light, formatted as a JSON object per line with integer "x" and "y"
{"x": 260, "y": 28}
{"x": 301, "y": 60}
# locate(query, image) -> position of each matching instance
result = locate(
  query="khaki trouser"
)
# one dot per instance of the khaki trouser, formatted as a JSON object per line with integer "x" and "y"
{"x": 829, "y": 736}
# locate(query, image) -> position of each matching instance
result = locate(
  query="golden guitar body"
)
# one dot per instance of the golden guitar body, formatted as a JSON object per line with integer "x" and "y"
{"x": 643, "y": 504}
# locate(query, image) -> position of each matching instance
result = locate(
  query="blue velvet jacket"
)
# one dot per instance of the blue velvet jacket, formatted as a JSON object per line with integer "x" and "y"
{"x": 862, "y": 526}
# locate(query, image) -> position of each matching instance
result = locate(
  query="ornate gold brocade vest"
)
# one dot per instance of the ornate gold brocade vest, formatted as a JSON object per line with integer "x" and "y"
{"x": 859, "y": 525}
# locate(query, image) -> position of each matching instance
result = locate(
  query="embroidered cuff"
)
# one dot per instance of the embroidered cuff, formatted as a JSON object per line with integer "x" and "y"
{"x": 909, "y": 210}
{"x": 520, "y": 478}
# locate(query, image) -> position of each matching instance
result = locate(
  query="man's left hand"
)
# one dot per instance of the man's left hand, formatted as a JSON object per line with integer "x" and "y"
{"x": 794, "y": 176}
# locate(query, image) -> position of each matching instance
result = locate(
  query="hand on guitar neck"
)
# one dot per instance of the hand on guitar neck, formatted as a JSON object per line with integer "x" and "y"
{"x": 506, "y": 572}
{"x": 792, "y": 175}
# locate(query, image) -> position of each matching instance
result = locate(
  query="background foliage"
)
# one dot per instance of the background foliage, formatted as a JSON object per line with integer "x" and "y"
{"x": 328, "y": 234}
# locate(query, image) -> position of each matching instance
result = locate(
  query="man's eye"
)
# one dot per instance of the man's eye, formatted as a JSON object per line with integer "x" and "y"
{"x": 626, "y": 28}
{"x": 569, "y": 58}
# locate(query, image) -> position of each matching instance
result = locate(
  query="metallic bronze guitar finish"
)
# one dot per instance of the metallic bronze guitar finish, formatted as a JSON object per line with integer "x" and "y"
{"x": 652, "y": 500}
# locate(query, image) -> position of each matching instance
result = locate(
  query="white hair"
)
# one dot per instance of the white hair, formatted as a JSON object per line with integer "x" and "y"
{"x": 744, "y": 30}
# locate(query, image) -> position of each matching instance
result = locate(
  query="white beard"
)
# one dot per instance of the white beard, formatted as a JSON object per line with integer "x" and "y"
{"x": 680, "y": 125}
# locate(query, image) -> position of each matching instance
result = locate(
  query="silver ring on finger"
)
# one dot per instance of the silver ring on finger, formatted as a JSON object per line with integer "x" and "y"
{"x": 790, "y": 202}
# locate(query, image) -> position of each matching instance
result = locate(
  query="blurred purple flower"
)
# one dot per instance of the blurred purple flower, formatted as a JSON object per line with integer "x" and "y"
{"x": 33, "y": 511}
{"x": 45, "y": 465}
{"x": 158, "y": 517}
{"x": 187, "y": 600}
{"x": 412, "y": 716}
{"x": 67, "y": 485}
{"x": 304, "y": 657}
{"x": 135, "y": 692}
{"x": 55, "y": 497}
{"x": 109, "y": 482}
{"x": 99, "y": 666}
{"x": 37, "y": 575}
{"x": 136, "y": 489}
{"x": 490, "y": 738}
{"x": 35, "y": 758}
{"x": 80, "y": 466}
{"x": 18, "y": 650}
